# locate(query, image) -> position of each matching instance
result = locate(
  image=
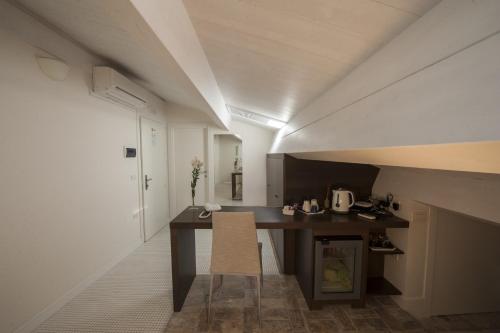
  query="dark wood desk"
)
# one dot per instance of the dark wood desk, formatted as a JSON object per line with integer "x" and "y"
{"x": 182, "y": 236}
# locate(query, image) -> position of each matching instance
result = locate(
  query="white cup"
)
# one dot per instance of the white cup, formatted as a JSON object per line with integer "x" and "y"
{"x": 306, "y": 206}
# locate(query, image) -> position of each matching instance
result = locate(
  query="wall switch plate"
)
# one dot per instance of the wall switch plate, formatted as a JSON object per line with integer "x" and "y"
{"x": 129, "y": 152}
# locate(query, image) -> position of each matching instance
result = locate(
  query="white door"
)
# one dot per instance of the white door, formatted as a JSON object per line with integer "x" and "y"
{"x": 154, "y": 176}
{"x": 186, "y": 144}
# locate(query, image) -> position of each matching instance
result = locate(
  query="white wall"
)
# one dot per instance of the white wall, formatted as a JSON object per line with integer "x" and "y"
{"x": 185, "y": 142}
{"x": 467, "y": 265}
{"x": 432, "y": 238}
{"x": 256, "y": 142}
{"x": 180, "y": 114}
{"x": 474, "y": 194}
{"x": 216, "y": 159}
{"x": 437, "y": 82}
{"x": 411, "y": 272}
{"x": 67, "y": 194}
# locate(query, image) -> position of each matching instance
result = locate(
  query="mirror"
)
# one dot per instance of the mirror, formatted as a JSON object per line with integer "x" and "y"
{"x": 228, "y": 169}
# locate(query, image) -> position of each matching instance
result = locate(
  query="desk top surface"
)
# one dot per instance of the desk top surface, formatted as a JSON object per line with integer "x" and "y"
{"x": 272, "y": 218}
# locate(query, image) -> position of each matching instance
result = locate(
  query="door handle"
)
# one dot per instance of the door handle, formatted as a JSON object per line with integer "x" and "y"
{"x": 146, "y": 182}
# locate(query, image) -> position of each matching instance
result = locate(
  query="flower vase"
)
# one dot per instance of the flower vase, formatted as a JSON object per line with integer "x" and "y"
{"x": 192, "y": 202}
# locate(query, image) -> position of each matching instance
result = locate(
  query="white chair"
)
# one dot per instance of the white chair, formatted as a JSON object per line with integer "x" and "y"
{"x": 235, "y": 250}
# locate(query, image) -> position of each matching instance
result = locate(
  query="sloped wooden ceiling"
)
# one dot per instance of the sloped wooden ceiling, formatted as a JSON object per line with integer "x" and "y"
{"x": 275, "y": 56}
{"x": 427, "y": 99}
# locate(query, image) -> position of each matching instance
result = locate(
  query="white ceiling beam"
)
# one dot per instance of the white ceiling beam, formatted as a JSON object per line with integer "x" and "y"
{"x": 171, "y": 24}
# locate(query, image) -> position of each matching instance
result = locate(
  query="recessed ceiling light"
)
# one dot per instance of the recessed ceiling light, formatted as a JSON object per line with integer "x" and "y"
{"x": 275, "y": 123}
{"x": 257, "y": 117}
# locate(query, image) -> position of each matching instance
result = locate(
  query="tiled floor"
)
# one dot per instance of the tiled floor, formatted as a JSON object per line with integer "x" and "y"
{"x": 136, "y": 295}
{"x": 223, "y": 195}
{"x": 284, "y": 310}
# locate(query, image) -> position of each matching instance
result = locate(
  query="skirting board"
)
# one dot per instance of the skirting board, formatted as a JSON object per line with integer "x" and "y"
{"x": 46, "y": 313}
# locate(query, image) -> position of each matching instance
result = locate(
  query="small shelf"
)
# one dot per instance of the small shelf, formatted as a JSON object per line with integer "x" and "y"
{"x": 396, "y": 251}
{"x": 380, "y": 286}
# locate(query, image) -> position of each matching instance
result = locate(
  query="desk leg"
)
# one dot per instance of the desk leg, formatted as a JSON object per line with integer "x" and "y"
{"x": 364, "y": 273}
{"x": 182, "y": 246}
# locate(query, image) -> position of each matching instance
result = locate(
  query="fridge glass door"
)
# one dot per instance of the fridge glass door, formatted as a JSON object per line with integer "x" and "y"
{"x": 338, "y": 267}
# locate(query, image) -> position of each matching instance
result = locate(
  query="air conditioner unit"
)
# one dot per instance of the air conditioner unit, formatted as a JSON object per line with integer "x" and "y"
{"x": 113, "y": 86}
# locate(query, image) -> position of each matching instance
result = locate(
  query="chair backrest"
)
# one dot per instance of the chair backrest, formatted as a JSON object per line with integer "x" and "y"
{"x": 234, "y": 244}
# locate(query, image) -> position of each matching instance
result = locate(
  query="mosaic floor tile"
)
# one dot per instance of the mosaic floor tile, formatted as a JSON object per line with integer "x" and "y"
{"x": 136, "y": 294}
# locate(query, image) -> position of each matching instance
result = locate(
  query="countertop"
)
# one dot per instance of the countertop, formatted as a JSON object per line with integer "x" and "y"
{"x": 272, "y": 218}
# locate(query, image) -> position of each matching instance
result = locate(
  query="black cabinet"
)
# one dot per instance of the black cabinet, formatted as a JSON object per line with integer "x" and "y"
{"x": 275, "y": 175}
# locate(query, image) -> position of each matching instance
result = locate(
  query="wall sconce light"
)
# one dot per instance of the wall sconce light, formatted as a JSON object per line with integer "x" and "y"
{"x": 55, "y": 69}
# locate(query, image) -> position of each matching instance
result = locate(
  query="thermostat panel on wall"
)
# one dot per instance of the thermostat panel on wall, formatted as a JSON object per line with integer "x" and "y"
{"x": 129, "y": 152}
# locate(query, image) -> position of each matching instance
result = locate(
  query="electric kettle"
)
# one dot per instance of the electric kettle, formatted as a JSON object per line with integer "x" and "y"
{"x": 342, "y": 200}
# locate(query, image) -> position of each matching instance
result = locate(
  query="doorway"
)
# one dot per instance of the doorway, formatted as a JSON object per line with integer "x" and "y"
{"x": 154, "y": 176}
{"x": 228, "y": 170}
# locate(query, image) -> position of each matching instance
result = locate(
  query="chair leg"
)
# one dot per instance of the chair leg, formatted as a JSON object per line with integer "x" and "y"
{"x": 210, "y": 294}
{"x": 261, "y": 270}
{"x": 221, "y": 281}
{"x": 218, "y": 284}
{"x": 258, "y": 300}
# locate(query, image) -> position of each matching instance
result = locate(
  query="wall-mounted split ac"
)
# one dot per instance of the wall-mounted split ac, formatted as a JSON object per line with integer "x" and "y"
{"x": 113, "y": 86}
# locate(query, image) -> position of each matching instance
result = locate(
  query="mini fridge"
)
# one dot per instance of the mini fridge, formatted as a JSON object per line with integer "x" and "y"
{"x": 338, "y": 266}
